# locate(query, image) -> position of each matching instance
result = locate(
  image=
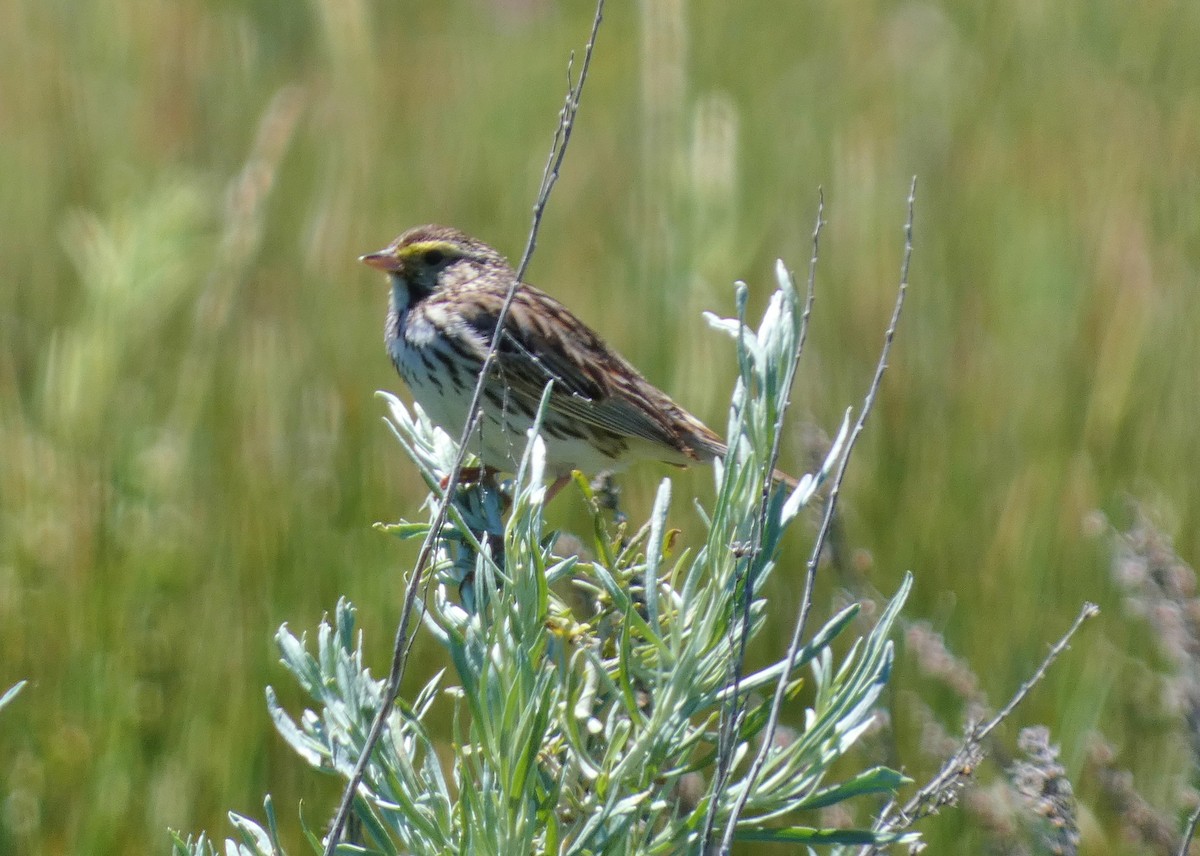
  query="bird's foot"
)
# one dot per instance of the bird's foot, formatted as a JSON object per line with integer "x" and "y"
{"x": 472, "y": 475}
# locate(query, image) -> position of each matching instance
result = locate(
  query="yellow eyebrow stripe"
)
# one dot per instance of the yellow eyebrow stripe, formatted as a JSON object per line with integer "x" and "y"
{"x": 425, "y": 246}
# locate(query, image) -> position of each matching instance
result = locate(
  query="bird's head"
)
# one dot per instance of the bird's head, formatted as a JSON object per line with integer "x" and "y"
{"x": 427, "y": 258}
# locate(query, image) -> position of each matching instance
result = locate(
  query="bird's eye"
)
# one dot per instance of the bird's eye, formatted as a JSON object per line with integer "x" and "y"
{"x": 434, "y": 257}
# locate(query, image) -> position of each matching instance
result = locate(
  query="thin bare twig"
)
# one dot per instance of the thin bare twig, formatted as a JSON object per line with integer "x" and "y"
{"x": 403, "y": 642}
{"x": 811, "y": 289}
{"x": 768, "y": 735}
{"x": 944, "y": 786}
{"x": 733, "y": 711}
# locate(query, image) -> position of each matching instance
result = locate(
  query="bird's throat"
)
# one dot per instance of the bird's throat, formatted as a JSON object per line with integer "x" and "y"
{"x": 404, "y": 294}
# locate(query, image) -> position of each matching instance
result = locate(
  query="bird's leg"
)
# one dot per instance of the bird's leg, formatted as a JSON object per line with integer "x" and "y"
{"x": 558, "y": 484}
{"x": 471, "y": 475}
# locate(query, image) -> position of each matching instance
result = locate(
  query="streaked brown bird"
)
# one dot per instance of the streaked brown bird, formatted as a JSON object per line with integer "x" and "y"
{"x": 447, "y": 289}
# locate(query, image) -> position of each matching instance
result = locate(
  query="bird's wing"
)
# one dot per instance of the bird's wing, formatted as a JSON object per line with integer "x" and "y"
{"x": 544, "y": 341}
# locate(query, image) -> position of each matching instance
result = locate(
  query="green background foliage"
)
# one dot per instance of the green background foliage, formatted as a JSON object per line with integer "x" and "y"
{"x": 191, "y": 455}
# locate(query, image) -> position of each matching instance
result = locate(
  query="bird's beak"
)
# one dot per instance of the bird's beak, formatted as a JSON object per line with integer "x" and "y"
{"x": 384, "y": 260}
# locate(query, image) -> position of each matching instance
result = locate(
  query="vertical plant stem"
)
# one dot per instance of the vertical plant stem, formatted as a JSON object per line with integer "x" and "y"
{"x": 768, "y": 735}
{"x": 403, "y": 641}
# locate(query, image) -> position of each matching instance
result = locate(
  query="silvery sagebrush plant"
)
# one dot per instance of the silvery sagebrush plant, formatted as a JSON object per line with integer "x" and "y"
{"x": 596, "y": 732}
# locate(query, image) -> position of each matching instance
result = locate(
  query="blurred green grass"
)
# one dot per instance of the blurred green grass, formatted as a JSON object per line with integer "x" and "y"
{"x": 190, "y": 453}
